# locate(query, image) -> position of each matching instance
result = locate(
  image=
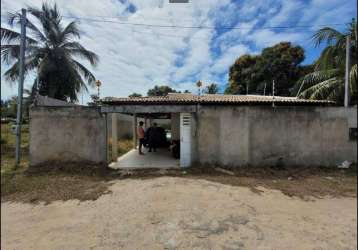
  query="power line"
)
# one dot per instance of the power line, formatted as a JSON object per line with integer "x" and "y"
{"x": 201, "y": 26}
{"x": 140, "y": 16}
{"x": 189, "y": 37}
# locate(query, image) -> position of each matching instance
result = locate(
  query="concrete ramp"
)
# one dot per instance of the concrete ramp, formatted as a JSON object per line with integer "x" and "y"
{"x": 161, "y": 159}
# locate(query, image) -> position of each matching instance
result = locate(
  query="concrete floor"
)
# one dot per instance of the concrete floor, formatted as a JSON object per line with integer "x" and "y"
{"x": 132, "y": 160}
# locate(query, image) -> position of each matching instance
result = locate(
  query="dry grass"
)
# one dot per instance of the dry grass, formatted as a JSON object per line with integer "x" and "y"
{"x": 124, "y": 145}
{"x": 65, "y": 182}
{"x": 50, "y": 184}
{"x": 50, "y": 187}
{"x": 8, "y": 147}
{"x": 299, "y": 182}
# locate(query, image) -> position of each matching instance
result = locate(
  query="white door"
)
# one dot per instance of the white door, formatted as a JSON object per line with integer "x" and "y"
{"x": 185, "y": 139}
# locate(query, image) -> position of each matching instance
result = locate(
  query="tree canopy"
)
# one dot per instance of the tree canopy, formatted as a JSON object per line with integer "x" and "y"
{"x": 211, "y": 89}
{"x": 162, "y": 90}
{"x": 135, "y": 95}
{"x": 51, "y": 50}
{"x": 253, "y": 74}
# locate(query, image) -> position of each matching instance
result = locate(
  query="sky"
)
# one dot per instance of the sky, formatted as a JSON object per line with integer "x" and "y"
{"x": 134, "y": 58}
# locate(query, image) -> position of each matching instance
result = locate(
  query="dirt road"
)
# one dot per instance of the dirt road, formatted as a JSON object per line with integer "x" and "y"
{"x": 178, "y": 213}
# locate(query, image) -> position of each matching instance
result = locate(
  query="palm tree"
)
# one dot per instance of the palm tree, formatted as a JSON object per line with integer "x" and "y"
{"x": 327, "y": 80}
{"x": 51, "y": 51}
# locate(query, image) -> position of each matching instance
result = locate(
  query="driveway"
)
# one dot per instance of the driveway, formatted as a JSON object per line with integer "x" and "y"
{"x": 179, "y": 213}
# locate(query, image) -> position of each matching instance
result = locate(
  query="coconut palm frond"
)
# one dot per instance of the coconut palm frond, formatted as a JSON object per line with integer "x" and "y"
{"x": 9, "y": 36}
{"x": 85, "y": 73}
{"x": 12, "y": 74}
{"x": 76, "y": 49}
{"x": 320, "y": 90}
{"x": 70, "y": 31}
{"x": 328, "y": 35}
{"x": 353, "y": 78}
{"x": 11, "y": 52}
{"x": 327, "y": 59}
{"x": 313, "y": 78}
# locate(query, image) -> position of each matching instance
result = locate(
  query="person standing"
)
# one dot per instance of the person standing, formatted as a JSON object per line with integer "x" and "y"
{"x": 153, "y": 138}
{"x": 140, "y": 134}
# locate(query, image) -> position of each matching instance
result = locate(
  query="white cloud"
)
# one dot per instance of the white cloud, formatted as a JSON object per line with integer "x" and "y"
{"x": 135, "y": 58}
{"x": 226, "y": 59}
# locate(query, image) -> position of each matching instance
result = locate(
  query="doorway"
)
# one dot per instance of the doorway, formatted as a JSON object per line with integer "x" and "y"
{"x": 174, "y": 147}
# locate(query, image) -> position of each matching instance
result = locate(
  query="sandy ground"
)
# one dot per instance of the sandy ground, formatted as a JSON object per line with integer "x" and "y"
{"x": 178, "y": 213}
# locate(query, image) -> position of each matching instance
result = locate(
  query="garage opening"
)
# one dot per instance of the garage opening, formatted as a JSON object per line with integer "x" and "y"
{"x": 172, "y": 140}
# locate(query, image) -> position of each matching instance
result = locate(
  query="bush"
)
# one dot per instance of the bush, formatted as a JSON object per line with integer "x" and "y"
{"x": 3, "y": 141}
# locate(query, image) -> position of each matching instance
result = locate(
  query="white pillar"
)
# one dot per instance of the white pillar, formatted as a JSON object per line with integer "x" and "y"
{"x": 114, "y": 137}
{"x": 185, "y": 139}
{"x": 135, "y": 130}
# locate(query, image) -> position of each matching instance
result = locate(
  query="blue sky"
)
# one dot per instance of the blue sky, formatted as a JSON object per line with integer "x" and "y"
{"x": 135, "y": 58}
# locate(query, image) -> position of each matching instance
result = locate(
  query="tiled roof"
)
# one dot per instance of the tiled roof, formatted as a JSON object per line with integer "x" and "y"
{"x": 184, "y": 98}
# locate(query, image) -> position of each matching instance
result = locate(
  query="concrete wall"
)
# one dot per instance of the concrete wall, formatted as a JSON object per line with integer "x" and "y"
{"x": 124, "y": 126}
{"x": 67, "y": 134}
{"x": 175, "y": 126}
{"x": 266, "y": 136}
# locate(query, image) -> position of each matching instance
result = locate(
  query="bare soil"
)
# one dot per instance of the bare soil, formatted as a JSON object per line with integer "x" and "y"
{"x": 182, "y": 213}
{"x": 58, "y": 182}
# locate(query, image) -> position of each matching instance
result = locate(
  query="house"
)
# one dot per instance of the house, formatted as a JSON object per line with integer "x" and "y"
{"x": 226, "y": 130}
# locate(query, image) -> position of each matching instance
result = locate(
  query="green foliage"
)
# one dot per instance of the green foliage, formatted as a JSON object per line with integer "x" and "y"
{"x": 51, "y": 51}
{"x": 2, "y": 141}
{"x": 281, "y": 62}
{"x": 135, "y": 95}
{"x": 327, "y": 80}
{"x": 211, "y": 89}
{"x": 8, "y": 107}
{"x": 160, "y": 91}
{"x": 8, "y": 148}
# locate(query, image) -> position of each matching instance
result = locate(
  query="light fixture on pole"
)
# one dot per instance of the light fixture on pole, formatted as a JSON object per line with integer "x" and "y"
{"x": 98, "y": 84}
{"x": 199, "y": 84}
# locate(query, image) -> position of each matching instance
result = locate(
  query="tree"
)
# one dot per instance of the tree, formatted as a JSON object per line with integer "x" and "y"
{"x": 51, "y": 50}
{"x": 240, "y": 74}
{"x": 135, "y": 95}
{"x": 160, "y": 91}
{"x": 281, "y": 62}
{"x": 211, "y": 89}
{"x": 9, "y": 107}
{"x": 327, "y": 80}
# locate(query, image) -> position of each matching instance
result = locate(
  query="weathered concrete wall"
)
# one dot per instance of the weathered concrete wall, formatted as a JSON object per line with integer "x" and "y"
{"x": 124, "y": 126}
{"x": 175, "y": 126}
{"x": 67, "y": 134}
{"x": 266, "y": 136}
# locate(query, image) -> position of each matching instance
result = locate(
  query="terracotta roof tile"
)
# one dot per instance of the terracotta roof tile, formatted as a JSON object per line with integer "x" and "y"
{"x": 185, "y": 98}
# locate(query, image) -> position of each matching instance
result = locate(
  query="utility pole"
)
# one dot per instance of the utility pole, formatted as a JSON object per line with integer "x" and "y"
{"x": 346, "y": 80}
{"x": 265, "y": 89}
{"x": 21, "y": 86}
{"x": 273, "y": 93}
